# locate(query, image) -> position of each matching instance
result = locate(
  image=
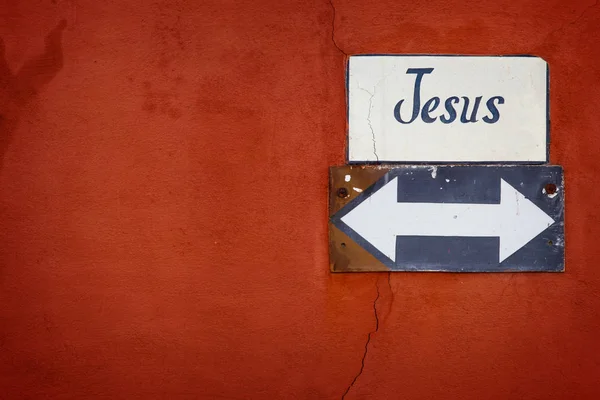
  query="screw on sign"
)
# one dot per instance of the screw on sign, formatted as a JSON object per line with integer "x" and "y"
{"x": 342, "y": 192}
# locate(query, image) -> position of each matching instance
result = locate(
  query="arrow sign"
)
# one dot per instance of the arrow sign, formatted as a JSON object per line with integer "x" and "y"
{"x": 422, "y": 211}
{"x": 381, "y": 218}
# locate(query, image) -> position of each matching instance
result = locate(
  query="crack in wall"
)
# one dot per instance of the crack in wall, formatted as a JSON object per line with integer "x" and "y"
{"x": 371, "y": 95}
{"x": 389, "y": 280}
{"x": 362, "y": 362}
{"x": 371, "y": 126}
{"x": 333, "y": 29}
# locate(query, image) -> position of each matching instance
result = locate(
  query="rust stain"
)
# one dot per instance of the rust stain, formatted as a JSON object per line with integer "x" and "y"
{"x": 17, "y": 91}
{"x": 345, "y": 254}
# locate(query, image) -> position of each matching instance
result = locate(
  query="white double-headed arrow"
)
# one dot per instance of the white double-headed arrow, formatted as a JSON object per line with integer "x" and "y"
{"x": 380, "y": 218}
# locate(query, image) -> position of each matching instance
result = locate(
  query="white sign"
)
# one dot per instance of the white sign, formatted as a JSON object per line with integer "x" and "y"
{"x": 447, "y": 109}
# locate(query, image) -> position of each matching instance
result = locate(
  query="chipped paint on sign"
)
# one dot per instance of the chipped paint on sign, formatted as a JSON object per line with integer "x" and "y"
{"x": 434, "y": 172}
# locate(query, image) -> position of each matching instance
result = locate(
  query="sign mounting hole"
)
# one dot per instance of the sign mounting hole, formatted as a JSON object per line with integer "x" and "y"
{"x": 550, "y": 188}
{"x": 342, "y": 192}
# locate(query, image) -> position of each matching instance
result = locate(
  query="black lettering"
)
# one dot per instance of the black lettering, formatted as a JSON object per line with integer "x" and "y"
{"x": 463, "y": 115}
{"x": 416, "y": 95}
{"x": 428, "y": 107}
{"x": 450, "y": 109}
{"x": 493, "y": 109}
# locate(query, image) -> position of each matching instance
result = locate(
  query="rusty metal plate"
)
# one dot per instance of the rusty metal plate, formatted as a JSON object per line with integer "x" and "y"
{"x": 454, "y": 218}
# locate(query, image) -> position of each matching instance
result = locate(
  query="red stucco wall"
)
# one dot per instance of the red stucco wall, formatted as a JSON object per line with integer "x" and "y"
{"x": 163, "y": 208}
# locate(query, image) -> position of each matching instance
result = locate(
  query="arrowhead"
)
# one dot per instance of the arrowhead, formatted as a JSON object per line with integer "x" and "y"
{"x": 520, "y": 220}
{"x": 370, "y": 219}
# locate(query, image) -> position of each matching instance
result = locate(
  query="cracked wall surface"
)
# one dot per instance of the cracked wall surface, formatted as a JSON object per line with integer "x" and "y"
{"x": 163, "y": 205}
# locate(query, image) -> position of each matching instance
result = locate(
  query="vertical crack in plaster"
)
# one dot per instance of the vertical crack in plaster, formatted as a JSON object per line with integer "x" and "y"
{"x": 333, "y": 29}
{"x": 371, "y": 95}
{"x": 371, "y": 126}
{"x": 362, "y": 363}
{"x": 390, "y": 285}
